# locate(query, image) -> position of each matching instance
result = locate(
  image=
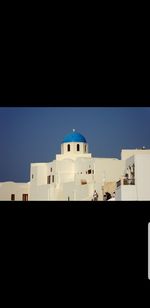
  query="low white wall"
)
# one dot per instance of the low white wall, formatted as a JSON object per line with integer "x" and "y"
{"x": 8, "y": 188}
{"x": 128, "y": 193}
{"x": 39, "y": 193}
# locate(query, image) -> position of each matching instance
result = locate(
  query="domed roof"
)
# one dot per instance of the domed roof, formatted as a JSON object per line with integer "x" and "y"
{"x": 74, "y": 137}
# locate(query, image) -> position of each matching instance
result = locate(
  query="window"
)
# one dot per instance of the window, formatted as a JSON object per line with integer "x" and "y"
{"x": 89, "y": 171}
{"x": 25, "y": 197}
{"x": 12, "y": 197}
{"x": 83, "y": 182}
{"x": 32, "y": 176}
{"x": 51, "y": 169}
{"x": 78, "y": 147}
{"x": 53, "y": 178}
{"x": 68, "y": 147}
{"x": 48, "y": 179}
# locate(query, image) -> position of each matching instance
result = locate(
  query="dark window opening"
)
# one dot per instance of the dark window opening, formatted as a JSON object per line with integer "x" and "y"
{"x": 89, "y": 171}
{"x": 25, "y": 197}
{"x": 68, "y": 147}
{"x": 53, "y": 178}
{"x": 12, "y": 197}
{"x": 32, "y": 176}
{"x": 83, "y": 182}
{"x": 51, "y": 169}
{"x": 48, "y": 179}
{"x": 78, "y": 147}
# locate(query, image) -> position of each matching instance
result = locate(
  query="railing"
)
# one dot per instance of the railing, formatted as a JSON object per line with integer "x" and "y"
{"x": 125, "y": 181}
{"x": 128, "y": 181}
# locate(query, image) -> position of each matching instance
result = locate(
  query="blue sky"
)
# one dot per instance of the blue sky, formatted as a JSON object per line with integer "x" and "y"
{"x": 35, "y": 134}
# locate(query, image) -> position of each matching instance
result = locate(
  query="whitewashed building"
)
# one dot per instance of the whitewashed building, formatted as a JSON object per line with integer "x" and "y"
{"x": 75, "y": 174}
{"x": 135, "y": 183}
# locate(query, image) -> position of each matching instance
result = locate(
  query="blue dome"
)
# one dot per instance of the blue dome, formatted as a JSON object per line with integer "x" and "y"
{"x": 74, "y": 137}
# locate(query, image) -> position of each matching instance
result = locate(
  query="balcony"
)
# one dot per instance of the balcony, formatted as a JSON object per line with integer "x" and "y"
{"x": 125, "y": 181}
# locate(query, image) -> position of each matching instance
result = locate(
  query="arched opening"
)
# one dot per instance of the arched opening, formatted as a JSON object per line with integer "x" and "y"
{"x": 107, "y": 196}
{"x": 78, "y": 147}
{"x": 68, "y": 147}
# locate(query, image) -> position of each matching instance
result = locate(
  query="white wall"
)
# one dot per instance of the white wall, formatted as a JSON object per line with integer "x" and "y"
{"x": 126, "y": 193}
{"x": 130, "y": 152}
{"x": 77, "y": 192}
{"x": 68, "y": 191}
{"x": 40, "y": 193}
{"x": 106, "y": 170}
{"x": 141, "y": 190}
{"x": 39, "y": 172}
{"x": 84, "y": 192}
{"x": 8, "y": 188}
{"x": 142, "y": 176}
{"x": 65, "y": 170}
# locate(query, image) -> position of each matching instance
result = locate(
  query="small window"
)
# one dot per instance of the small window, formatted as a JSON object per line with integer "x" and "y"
{"x": 78, "y": 147}
{"x": 83, "y": 182}
{"x": 32, "y": 176}
{"x": 48, "y": 179}
{"x": 89, "y": 171}
{"x": 12, "y": 197}
{"x": 51, "y": 169}
{"x": 52, "y": 178}
{"x": 68, "y": 147}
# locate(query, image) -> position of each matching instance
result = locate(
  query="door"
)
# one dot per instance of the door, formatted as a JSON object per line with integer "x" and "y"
{"x": 25, "y": 197}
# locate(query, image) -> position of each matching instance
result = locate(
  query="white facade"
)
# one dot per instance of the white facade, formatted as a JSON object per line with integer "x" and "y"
{"x": 75, "y": 174}
{"x": 135, "y": 185}
{"x": 14, "y": 191}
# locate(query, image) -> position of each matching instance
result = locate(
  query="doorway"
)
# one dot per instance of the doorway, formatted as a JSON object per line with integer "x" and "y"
{"x": 25, "y": 197}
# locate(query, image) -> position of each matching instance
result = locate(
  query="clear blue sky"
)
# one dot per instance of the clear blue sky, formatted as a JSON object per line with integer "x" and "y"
{"x": 35, "y": 134}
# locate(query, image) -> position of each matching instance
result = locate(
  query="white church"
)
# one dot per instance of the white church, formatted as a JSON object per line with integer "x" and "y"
{"x": 75, "y": 175}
